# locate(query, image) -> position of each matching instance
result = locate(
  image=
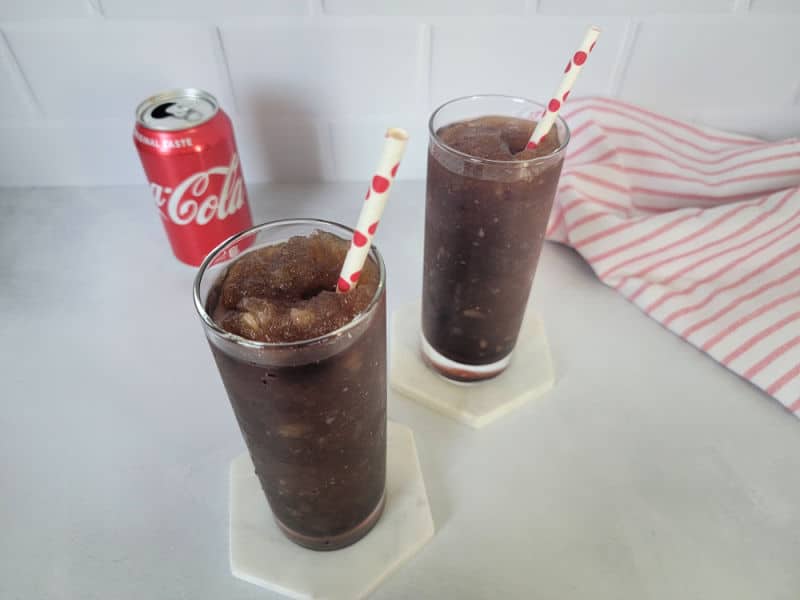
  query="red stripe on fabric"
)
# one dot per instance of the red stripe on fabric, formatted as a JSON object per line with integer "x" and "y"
{"x": 587, "y": 197}
{"x": 747, "y": 318}
{"x": 771, "y": 263}
{"x": 673, "y": 138}
{"x": 645, "y": 238}
{"x": 703, "y": 161}
{"x": 754, "y": 339}
{"x": 757, "y": 220}
{"x": 676, "y": 243}
{"x": 588, "y": 219}
{"x": 602, "y": 234}
{"x": 689, "y": 196}
{"x": 580, "y": 129}
{"x": 585, "y": 219}
{"x": 609, "y": 231}
{"x": 724, "y": 268}
{"x": 566, "y": 113}
{"x": 771, "y": 357}
{"x": 584, "y": 148}
{"x": 670, "y": 194}
{"x": 677, "y": 177}
{"x": 736, "y": 302}
{"x": 603, "y": 182}
{"x": 776, "y": 386}
{"x": 595, "y": 161}
{"x": 556, "y": 222}
{"x": 619, "y": 227}
{"x": 658, "y": 155}
{"x": 796, "y": 404}
{"x": 628, "y": 210}
{"x": 749, "y": 163}
{"x": 671, "y": 122}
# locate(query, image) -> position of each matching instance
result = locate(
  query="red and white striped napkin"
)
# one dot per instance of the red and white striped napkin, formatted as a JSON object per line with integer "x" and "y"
{"x": 699, "y": 228}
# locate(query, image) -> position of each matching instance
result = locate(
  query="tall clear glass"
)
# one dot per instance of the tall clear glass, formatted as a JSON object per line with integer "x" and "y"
{"x": 485, "y": 223}
{"x": 312, "y": 412}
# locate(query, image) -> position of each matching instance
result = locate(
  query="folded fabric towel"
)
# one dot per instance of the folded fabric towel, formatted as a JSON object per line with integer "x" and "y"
{"x": 699, "y": 228}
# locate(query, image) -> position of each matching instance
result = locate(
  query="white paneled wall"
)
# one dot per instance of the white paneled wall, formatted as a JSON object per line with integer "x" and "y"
{"x": 528, "y": 60}
{"x": 96, "y": 69}
{"x": 747, "y": 62}
{"x": 633, "y": 7}
{"x": 312, "y": 84}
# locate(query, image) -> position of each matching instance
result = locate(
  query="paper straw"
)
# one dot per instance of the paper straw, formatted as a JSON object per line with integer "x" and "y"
{"x": 371, "y": 211}
{"x": 574, "y": 68}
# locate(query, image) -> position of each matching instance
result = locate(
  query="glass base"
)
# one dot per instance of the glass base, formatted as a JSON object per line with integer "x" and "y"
{"x": 459, "y": 372}
{"x": 338, "y": 541}
{"x": 262, "y": 555}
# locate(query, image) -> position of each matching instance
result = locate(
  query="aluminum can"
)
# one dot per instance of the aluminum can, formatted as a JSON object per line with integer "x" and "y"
{"x": 187, "y": 148}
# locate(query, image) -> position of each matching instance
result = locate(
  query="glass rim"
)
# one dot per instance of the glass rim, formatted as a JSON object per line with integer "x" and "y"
{"x": 489, "y": 161}
{"x": 254, "y": 344}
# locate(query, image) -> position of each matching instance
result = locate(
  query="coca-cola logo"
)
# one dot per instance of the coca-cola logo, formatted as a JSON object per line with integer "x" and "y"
{"x": 193, "y": 200}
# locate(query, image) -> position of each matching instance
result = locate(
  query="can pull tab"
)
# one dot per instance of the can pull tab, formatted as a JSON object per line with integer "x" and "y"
{"x": 177, "y": 110}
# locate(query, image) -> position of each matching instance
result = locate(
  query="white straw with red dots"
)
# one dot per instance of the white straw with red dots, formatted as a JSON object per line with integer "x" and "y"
{"x": 371, "y": 211}
{"x": 574, "y": 67}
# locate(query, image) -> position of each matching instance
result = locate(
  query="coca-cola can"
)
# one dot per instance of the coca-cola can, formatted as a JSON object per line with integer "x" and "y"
{"x": 186, "y": 145}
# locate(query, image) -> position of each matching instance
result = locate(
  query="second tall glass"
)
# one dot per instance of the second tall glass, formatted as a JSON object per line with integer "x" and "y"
{"x": 485, "y": 223}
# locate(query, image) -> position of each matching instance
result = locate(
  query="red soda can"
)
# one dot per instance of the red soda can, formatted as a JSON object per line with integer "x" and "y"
{"x": 186, "y": 145}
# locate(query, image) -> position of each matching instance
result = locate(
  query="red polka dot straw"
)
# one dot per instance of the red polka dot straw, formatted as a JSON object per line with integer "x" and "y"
{"x": 372, "y": 208}
{"x": 574, "y": 68}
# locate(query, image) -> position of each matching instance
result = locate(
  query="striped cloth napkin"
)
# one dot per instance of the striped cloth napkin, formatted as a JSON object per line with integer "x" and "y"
{"x": 698, "y": 228}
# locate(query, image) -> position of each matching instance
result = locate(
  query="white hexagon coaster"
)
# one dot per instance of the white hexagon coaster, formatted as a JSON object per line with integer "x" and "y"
{"x": 262, "y": 555}
{"x": 529, "y": 375}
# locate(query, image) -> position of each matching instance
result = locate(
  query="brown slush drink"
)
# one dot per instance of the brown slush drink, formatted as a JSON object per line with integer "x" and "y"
{"x": 487, "y": 206}
{"x": 305, "y": 370}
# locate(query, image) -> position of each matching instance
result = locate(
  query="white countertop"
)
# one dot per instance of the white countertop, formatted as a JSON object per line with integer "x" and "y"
{"x": 649, "y": 472}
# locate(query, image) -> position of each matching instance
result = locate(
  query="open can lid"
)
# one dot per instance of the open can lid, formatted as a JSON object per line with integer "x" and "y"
{"x": 175, "y": 110}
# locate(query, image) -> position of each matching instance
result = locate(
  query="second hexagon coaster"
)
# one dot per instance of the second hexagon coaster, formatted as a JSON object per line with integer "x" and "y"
{"x": 529, "y": 375}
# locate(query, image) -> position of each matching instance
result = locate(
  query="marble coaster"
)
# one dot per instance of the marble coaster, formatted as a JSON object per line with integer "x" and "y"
{"x": 529, "y": 375}
{"x": 260, "y": 553}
